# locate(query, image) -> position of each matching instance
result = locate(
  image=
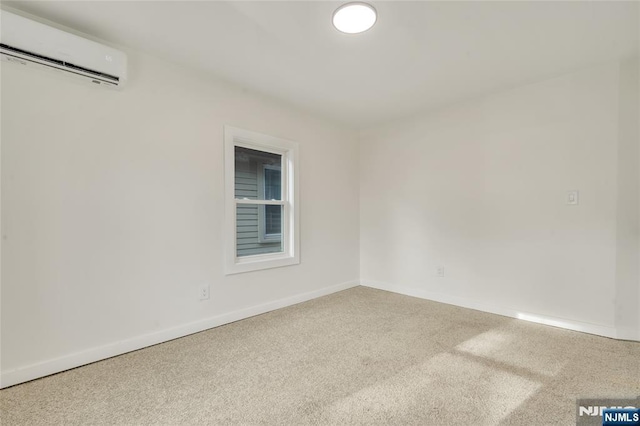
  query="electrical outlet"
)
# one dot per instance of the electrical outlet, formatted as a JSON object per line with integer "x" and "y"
{"x": 440, "y": 271}
{"x": 204, "y": 292}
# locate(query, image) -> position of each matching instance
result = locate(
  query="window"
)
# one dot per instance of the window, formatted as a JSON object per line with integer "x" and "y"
{"x": 261, "y": 195}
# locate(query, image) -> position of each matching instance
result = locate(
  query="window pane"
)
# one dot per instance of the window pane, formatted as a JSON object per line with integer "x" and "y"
{"x": 257, "y": 174}
{"x": 272, "y": 183}
{"x": 258, "y": 229}
{"x": 272, "y": 220}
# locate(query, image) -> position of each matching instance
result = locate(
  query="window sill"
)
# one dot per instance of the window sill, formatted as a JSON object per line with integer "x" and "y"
{"x": 260, "y": 262}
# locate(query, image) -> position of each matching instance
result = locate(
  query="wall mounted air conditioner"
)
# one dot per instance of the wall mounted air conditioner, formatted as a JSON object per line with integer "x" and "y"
{"x": 31, "y": 43}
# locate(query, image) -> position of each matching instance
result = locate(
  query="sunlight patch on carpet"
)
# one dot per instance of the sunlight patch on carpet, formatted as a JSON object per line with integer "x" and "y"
{"x": 529, "y": 352}
{"x": 444, "y": 387}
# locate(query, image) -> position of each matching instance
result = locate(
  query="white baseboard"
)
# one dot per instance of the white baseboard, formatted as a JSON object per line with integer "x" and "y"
{"x": 628, "y": 334}
{"x": 505, "y": 311}
{"x": 77, "y": 359}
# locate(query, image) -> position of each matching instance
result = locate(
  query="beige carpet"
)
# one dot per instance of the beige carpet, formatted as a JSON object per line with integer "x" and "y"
{"x": 361, "y": 356}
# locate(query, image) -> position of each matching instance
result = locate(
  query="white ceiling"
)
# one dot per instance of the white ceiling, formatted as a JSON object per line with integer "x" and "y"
{"x": 418, "y": 56}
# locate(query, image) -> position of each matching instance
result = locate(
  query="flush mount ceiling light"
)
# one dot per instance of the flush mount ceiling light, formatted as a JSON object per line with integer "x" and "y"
{"x": 353, "y": 18}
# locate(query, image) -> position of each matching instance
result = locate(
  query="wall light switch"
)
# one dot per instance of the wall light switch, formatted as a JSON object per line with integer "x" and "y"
{"x": 573, "y": 198}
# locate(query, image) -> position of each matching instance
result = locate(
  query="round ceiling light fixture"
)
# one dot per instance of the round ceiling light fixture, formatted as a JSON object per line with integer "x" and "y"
{"x": 354, "y": 18}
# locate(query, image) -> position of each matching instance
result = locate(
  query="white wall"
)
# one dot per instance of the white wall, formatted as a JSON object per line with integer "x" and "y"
{"x": 628, "y": 265}
{"x": 112, "y": 212}
{"x": 479, "y": 188}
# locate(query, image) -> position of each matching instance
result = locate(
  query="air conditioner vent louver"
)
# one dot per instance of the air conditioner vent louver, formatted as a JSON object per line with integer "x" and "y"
{"x": 60, "y": 64}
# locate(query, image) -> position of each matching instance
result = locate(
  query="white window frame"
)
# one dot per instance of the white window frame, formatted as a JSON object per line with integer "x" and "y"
{"x": 290, "y": 254}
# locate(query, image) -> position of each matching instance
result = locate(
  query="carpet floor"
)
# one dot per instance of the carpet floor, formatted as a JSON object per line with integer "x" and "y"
{"x": 360, "y": 356}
